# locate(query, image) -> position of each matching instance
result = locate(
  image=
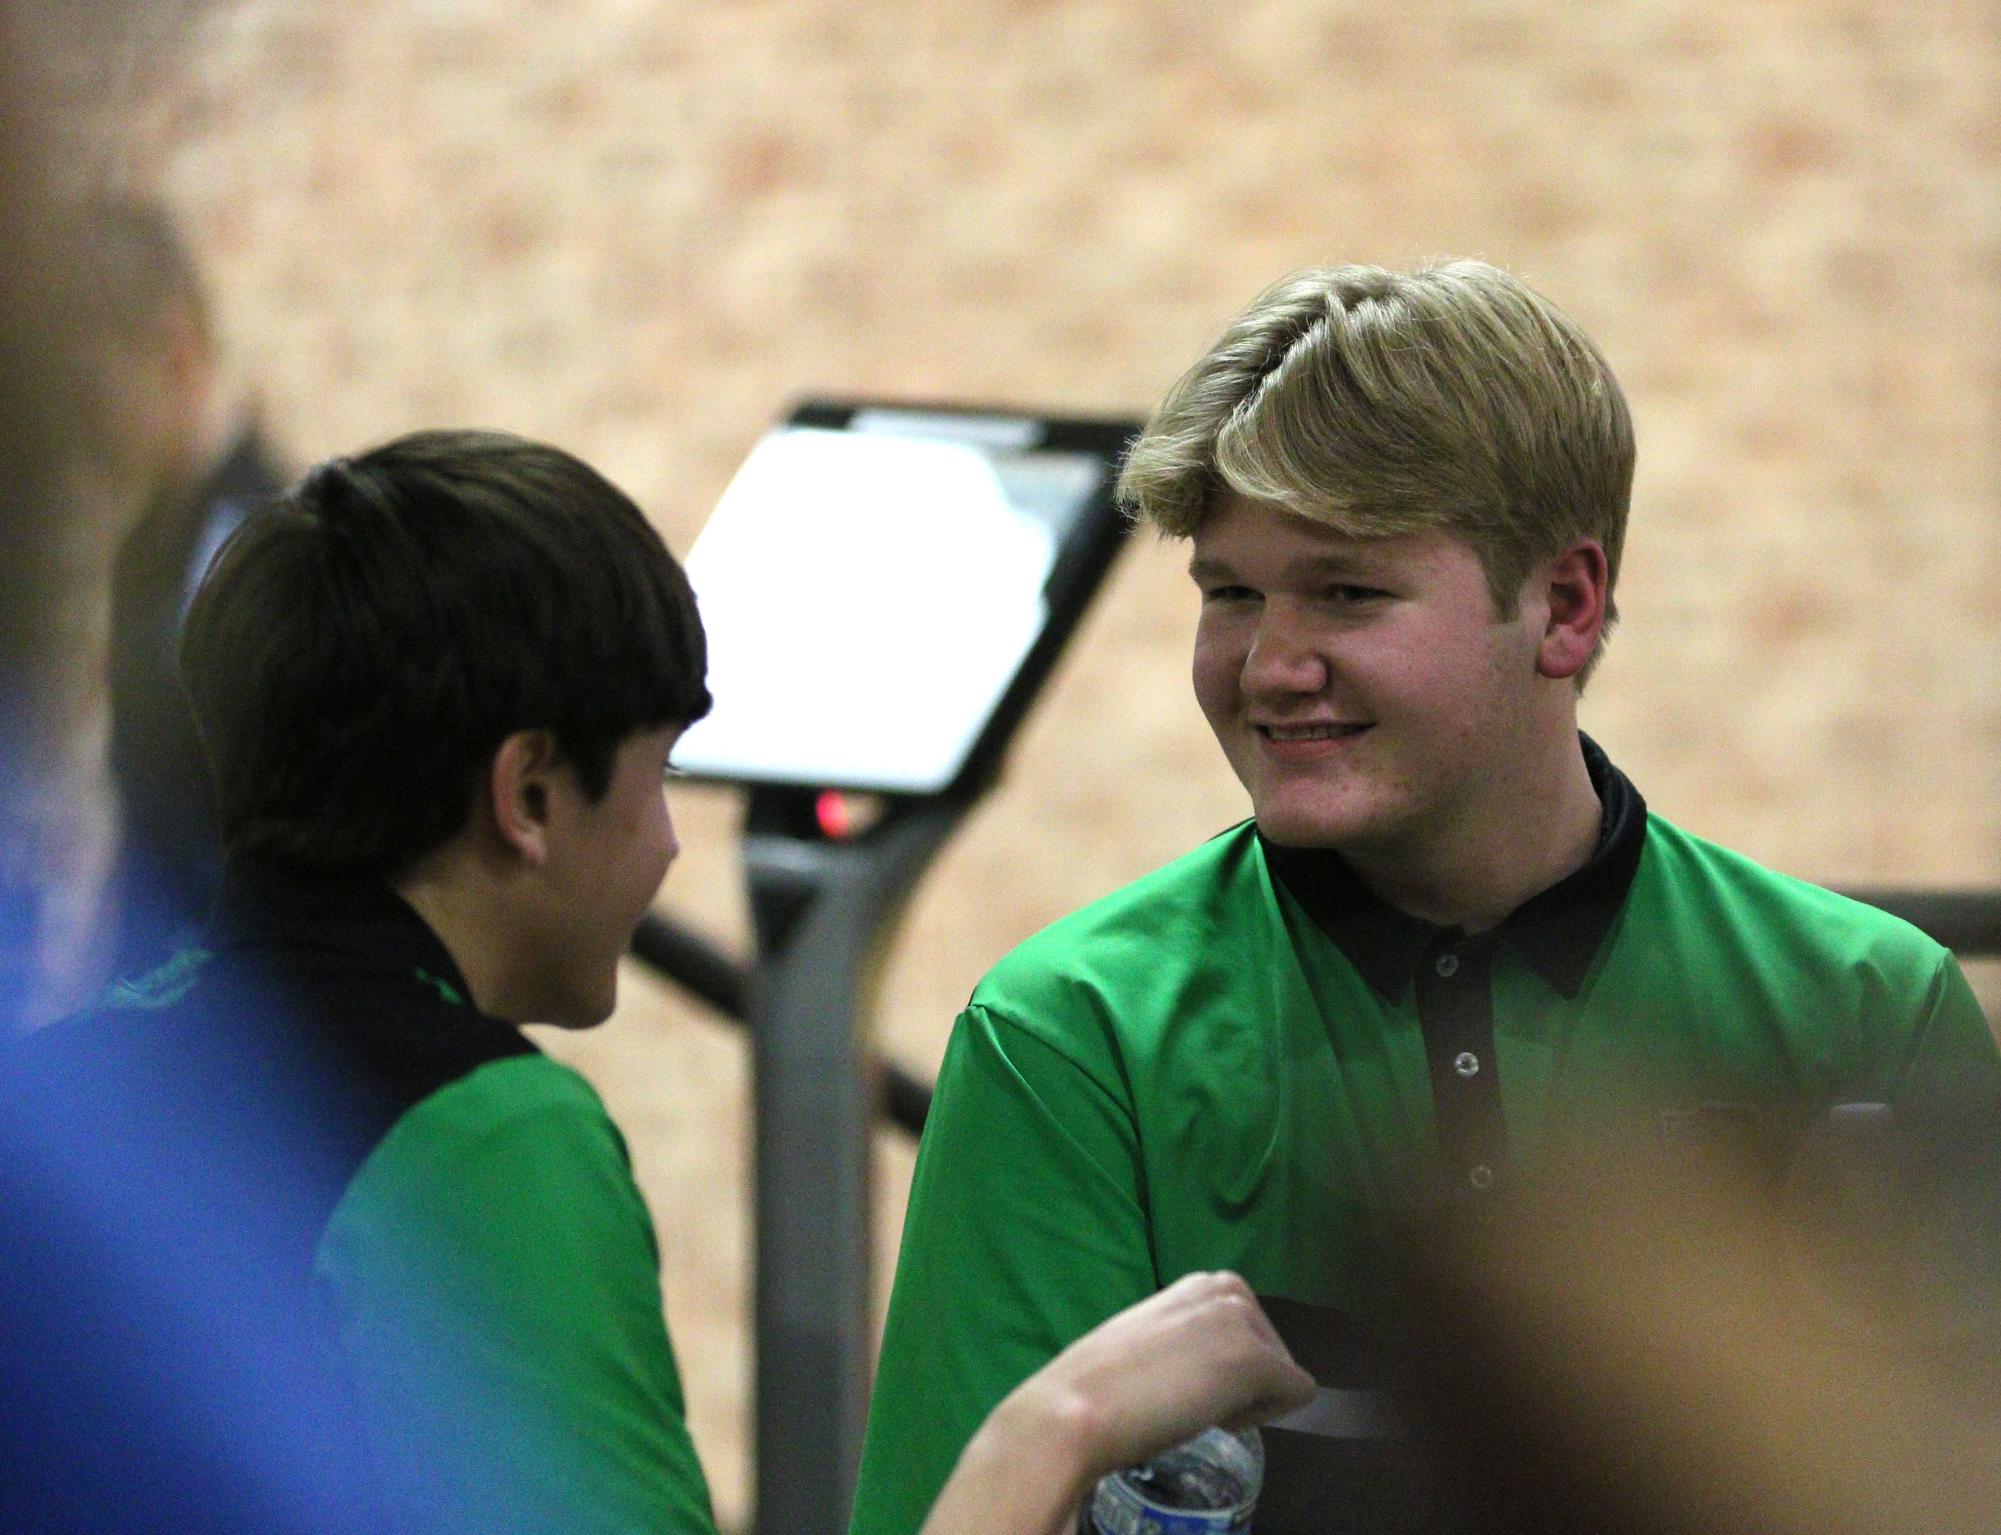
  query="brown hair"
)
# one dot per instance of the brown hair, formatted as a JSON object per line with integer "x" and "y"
{"x": 359, "y": 651}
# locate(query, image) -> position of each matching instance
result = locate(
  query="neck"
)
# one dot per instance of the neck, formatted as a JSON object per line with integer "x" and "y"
{"x": 1473, "y": 875}
{"x": 454, "y": 909}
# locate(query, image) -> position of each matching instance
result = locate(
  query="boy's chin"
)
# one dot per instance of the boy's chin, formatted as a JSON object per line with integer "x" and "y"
{"x": 584, "y": 1011}
{"x": 1293, "y": 829}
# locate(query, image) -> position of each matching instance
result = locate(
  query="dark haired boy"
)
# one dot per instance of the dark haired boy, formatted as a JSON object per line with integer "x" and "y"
{"x": 309, "y": 1236}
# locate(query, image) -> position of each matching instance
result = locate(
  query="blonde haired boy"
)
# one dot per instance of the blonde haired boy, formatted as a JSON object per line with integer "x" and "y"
{"x": 1450, "y": 929}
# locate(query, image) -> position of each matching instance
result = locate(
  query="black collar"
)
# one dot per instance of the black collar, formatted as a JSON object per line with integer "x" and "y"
{"x": 263, "y": 905}
{"x": 1557, "y": 932}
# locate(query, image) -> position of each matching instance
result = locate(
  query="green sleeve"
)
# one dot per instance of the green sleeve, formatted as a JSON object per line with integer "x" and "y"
{"x": 492, "y": 1286}
{"x": 1953, "y": 1049}
{"x": 1027, "y": 1226}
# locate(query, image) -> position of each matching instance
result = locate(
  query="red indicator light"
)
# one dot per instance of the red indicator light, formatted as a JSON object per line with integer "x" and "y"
{"x": 831, "y": 810}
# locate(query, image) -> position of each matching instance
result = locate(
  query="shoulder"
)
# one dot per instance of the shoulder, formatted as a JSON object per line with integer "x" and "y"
{"x": 502, "y": 1106}
{"x": 1686, "y": 879}
{"x": 526, "y": 1087}
{"x": 1203, "y": 914}
{"x": 518, "y": 1150}
{"x": 1201, "y": 890}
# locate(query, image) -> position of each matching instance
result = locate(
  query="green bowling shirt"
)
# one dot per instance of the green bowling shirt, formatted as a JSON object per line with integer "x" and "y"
{"x": 434, "y": 1228}
{"x": 1223, "y": 1067}
{"x": 490, "y": 1286}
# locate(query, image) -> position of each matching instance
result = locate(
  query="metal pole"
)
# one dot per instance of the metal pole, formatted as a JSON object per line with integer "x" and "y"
{"x": 724, "y": 982}
{"x": 823, "y": 911}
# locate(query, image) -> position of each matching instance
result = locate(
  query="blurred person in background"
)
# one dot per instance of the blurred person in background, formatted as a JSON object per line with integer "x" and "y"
{"x": 1451, "y": 934}
{"x": 114, "y": 850}
{"x": 183, "y": 445}
{"x": 54, "y": 800}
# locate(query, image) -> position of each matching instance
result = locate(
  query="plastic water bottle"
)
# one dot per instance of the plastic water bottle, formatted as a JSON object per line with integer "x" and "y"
{"x": 1207, "y": 1485}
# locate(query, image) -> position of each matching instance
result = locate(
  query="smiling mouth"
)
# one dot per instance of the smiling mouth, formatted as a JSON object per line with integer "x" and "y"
{"x": 1324, "y": 732}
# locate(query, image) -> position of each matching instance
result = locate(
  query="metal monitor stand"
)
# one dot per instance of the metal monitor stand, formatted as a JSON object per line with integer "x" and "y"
{"x": 823, "y": 911}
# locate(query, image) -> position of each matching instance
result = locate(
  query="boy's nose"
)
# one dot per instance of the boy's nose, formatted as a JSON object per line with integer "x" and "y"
{"x": 1283, "y": 658}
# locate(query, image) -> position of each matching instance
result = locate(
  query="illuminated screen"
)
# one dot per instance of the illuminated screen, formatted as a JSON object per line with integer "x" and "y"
{"x": 870, "y": 592}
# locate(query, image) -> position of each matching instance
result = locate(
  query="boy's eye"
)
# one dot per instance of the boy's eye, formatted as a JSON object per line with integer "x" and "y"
{"x": 1350, "y": 595}
{"x": 1227, "y": 594}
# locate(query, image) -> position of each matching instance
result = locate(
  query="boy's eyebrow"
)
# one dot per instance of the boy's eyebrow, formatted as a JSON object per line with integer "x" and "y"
{"x": 1347, "y": 563}
{"x": 1350, "y": 562}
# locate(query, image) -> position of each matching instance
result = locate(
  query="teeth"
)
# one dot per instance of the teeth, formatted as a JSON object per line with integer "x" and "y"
{"x": 1309, "y": 732}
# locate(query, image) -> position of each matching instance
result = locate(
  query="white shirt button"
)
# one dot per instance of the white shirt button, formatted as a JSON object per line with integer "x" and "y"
{"x": 1466, "y": 1063}
{"x": 1481, "y": 1176}
{"x": 1448, "y": 965}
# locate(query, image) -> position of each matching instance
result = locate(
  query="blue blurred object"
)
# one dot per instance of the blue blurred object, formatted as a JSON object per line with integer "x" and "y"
{"x": 160, "y": 1371}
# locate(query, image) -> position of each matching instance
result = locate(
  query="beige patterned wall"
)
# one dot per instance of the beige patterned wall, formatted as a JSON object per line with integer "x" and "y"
{"x": 637, "y": 228}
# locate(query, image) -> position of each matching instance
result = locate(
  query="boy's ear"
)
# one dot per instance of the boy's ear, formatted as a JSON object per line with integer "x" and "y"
{"x": 520, "y": 780}
{"x": 1579, "y": 584}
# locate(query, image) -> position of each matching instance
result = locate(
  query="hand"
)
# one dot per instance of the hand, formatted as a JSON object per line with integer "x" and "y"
{"x": 1199, "y": 1352}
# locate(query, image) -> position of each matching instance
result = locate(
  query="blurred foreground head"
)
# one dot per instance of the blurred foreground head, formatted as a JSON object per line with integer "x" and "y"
{"x": 155, "y": 376}
{"x": 1671, "y": 1339}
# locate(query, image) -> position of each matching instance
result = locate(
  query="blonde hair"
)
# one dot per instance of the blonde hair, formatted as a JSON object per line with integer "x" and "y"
{"x": 1452, "y": 398}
